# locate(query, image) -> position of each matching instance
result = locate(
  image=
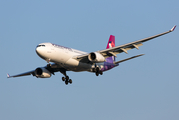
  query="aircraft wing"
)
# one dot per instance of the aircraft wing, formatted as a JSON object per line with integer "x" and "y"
{"x": 22, "y": 74}
{"x": 122, "y": 48}
{"x": 53, "y": 68}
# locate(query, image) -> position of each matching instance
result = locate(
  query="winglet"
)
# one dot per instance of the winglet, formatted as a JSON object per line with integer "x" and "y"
{"x": 8, "y": 76}
{"x": 173, "y": 28}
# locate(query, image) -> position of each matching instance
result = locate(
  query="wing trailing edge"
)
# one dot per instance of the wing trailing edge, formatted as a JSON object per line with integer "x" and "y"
{"x": 128, "y": 58}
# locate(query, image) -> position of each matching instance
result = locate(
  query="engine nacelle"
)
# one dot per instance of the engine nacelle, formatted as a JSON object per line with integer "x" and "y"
{"x": 96, "y": 57}
{"x": 42, "y": 73}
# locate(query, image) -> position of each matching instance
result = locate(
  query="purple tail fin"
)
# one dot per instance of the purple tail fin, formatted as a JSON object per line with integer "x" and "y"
{"x": 111, "y": 43}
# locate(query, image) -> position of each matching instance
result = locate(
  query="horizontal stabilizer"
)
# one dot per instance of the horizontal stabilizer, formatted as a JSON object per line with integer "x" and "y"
{"x": 128, "y": 59}
{"x": 8, "y": 76}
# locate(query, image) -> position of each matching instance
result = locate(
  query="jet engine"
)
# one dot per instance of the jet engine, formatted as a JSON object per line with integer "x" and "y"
{"x": 42, "y": 73}
{"x": 96, "y": 57}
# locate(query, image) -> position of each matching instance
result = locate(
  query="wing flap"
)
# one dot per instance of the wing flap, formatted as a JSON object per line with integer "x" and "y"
{"x": 122, "y": 49}
{"x": 128, "y": 58}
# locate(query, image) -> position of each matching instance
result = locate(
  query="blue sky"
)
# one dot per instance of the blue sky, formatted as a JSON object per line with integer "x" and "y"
{"x": 144, "y": 88}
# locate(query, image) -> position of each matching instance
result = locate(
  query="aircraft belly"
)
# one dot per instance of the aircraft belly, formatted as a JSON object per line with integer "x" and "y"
{"x": 75, "y": 65}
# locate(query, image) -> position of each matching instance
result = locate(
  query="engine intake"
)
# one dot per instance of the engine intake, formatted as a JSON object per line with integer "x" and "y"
{"x": 42, "y": 73}
{"x": 96, "y": 57}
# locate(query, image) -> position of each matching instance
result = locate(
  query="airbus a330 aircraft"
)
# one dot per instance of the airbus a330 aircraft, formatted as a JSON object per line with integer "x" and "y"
{"x": 64, "y": 59}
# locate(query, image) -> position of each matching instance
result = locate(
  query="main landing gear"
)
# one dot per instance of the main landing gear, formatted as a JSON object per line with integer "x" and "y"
{"x": 66, "y": 80}
{"x": 63, "y": 71}
{"x": 100, "y": 72}
{"x": 97, "y": 71}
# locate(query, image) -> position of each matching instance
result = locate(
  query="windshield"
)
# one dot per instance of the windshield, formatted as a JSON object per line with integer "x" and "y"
{"x": 40, "y": 45}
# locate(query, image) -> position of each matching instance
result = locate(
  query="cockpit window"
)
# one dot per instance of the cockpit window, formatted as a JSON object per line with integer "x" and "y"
{"x": 40, "y": 45}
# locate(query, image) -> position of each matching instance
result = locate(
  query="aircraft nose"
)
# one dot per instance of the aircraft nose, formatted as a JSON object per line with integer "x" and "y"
{"x": 41, "y": 51}
{"x": 38, "y": 51}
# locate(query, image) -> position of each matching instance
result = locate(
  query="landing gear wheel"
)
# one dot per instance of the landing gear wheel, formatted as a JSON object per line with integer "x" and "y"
{"x": 63, "y": 78}
{"x": 67, "y": 78}
{"x": 97, "y": 73}
{"x": 70, "y": 81}
{"x": 97, "y": 69}
{"x": 66, "y": 82}
{"x": 101, "y": 73}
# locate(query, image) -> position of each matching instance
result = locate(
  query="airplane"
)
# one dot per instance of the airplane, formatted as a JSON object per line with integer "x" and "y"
{"x": 62, "y": 59}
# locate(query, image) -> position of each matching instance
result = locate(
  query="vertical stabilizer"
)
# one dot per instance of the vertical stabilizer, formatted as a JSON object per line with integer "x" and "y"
{"x": 111, "y": 43}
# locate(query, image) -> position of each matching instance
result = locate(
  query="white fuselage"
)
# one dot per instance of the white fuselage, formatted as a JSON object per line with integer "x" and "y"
{"x": 62, "y": 56}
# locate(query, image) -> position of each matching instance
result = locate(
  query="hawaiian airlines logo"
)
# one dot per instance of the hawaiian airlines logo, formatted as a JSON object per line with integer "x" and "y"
{"x": 111, "y": 44}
